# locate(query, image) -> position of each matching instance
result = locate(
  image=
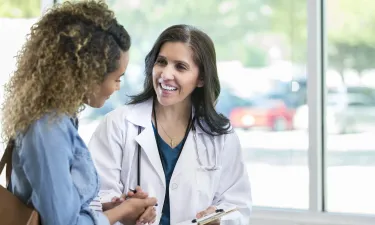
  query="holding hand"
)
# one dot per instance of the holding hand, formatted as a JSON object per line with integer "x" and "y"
{"x": 137, "y": 193}
{"x": 130, "y": 210}
{"x": 149, "y": 216}
{"x": 130, "y": 200}
{"x": 136, "y": 208}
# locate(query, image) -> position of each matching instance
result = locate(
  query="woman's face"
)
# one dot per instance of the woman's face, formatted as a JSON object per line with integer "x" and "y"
{"x": 110, "y": 84}
{"x": 175, "y": 75}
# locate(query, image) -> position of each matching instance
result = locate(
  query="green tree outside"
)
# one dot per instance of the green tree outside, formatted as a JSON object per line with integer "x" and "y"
{"x": 233, "y": 24}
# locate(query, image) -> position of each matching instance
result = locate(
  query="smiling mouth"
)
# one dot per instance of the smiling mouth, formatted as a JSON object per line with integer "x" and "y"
{"x": 167, "y": 87}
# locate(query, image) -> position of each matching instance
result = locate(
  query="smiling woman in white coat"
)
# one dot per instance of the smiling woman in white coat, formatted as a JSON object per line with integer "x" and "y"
{"x": 170, "y": 140}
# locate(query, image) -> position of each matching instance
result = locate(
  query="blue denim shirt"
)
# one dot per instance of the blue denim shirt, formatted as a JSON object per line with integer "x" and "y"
{"x": 53, "y": 172}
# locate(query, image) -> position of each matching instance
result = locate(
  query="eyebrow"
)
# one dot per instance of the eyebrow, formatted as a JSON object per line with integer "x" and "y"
{"x": 175, "y": 61}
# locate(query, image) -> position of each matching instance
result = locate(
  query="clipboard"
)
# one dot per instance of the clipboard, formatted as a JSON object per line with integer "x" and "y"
{"x": 209, "y": 218}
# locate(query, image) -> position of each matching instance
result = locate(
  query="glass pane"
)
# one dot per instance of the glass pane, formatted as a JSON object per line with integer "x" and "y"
{"x": 16, "y": 18}
{"x": 261, "y": 52}
{"x": 350, "y": 108}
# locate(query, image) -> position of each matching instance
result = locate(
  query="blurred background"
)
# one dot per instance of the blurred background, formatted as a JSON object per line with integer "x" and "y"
{"x": 262, "y": 61}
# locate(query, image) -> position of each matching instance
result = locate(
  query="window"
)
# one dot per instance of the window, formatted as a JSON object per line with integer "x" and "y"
{"x": 261, "y": 49}
{"x": 263, "y": 78}
{"x": 350, "y": 122}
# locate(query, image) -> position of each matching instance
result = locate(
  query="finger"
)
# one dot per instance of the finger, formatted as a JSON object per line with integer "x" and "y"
{"x": 154, "y": 218}
{"x": 138, "y": 189}
{"x": 150, "y": 202}
{"x": 211, "y": 210}
{"x": 130, "y": 194}
{"x": 116, "y": 199}
{"x": 148, "y": 215}
{"x": 200, "y": 214}
{"x": 122, "y": 198}
{"x": 141, "y": 195}
{"x": 206, "y": 212}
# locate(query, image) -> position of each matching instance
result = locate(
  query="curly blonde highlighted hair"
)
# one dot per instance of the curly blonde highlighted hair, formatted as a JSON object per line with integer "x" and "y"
{"x": 67, "y": 54}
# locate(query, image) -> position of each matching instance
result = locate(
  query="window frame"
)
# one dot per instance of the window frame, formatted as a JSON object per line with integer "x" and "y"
{"x": 316, "y": 93}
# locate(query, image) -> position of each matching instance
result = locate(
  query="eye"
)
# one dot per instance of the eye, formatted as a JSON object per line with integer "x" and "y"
{"x": 181, "y": 67}
{"x": 118, "y": 80}
{"x": 160, "y": 61}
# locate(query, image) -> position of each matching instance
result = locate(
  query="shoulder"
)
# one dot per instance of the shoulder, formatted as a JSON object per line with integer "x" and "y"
{"x": 133, "y": 113}
{"x": 120, "y": 113}
{"x": 231, "y": 138}
{"x": 228, "y": 141}
{"x": 231, "y": 134}
{"x": 118, "y": 117}
{"x": 50, "y": 132}
{"x": 51, "y": 124}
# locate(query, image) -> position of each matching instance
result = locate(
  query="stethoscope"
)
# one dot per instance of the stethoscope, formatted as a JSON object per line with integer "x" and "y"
{"x": 191, "y": 126}
{"x": 204, "y": 167}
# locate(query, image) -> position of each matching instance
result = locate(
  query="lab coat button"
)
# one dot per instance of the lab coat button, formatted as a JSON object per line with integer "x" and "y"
{"x": 174, "y": 186}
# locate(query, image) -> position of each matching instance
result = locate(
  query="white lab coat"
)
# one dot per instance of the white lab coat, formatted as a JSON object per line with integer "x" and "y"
{"x": 192, "y": 188}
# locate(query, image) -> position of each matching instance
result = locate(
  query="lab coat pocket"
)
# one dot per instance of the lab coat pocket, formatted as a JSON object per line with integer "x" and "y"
{"x": 206, "y": 184}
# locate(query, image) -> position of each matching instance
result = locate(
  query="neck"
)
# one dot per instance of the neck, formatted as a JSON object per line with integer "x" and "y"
{"x": 174, "y": 113}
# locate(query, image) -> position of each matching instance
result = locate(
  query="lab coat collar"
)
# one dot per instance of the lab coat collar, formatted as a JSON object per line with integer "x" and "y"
{"x": 141, "y": 115}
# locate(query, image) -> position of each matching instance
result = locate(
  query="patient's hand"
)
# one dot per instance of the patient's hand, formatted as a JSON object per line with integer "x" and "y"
{"x": 139, "y": 193}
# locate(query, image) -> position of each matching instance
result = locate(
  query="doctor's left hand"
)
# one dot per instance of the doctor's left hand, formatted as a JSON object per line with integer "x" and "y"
{"x": 207, "y": 212}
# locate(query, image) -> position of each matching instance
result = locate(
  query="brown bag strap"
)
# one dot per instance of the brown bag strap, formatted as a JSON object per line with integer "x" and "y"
{"x": 7, "y": 159}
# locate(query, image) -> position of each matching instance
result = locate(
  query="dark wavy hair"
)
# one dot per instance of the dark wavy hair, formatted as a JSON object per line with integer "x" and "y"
{"x": 67, "y": 54}
{"x": 204, "y": 56}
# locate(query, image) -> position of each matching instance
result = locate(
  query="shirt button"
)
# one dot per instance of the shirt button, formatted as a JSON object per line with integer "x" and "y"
{"x": 174, "y": 186}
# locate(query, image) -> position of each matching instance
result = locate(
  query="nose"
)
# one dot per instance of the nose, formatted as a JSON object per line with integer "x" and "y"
{"x": 167, "y": 73}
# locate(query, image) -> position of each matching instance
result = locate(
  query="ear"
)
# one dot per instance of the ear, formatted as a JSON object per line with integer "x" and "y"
{"x": 200, "y": 83}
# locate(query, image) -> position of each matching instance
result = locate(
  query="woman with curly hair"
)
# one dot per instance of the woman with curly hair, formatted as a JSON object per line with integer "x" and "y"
{"x": 74, "y": 55}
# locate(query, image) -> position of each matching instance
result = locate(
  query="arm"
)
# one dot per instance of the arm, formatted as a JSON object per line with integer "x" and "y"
{"x": 105, "y": 148}
{"x": 234, "y": 188}
{"x": 45, "y": 160}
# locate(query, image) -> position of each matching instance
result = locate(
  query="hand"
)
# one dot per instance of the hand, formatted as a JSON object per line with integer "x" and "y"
{"x": 138, "y": 209}
{"x": 115, "y": 201}
{"x": 208, "y": 211}
{"x": 138, "y": 193}
{"x": 130, "y": 210}
{"x": 149, "y": 215}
